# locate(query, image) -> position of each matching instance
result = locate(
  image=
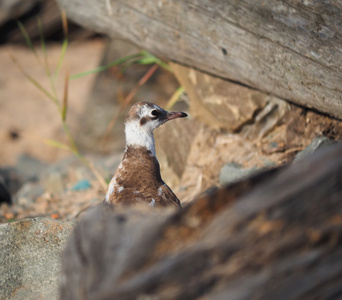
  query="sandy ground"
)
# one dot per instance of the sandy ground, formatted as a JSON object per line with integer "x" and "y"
{"x": 27, "y": 116}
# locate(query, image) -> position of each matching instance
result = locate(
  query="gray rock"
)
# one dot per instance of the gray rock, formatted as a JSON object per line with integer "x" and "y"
{"x": 233, "y": 172}
{"x": 5, "y": 196}
{"x": 316, "y": 144}
{"x": 30, "y": 258}
{"x": 29, "y": 168}
{"x": 11, "y": 179}
{"x": 173, "y": 142}
{"x": 233, "y": 243}
{"x": 106, "y": 165}
{"x": 225, "y": 105}
{"x": 53, "y": 183}
{"x": 28, "y": 193}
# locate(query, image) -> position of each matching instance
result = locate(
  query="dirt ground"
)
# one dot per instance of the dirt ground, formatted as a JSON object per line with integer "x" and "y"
{"x": 27, "y": 116}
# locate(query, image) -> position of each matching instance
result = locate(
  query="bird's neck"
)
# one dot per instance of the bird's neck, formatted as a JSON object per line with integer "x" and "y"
{"x": 136, "y": 136}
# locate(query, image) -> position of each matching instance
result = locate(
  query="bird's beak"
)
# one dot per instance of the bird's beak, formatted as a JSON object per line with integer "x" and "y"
{"x": 175, "y": 115}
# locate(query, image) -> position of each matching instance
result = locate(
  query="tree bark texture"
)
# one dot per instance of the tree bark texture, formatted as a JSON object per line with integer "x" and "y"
{"x": 290, "y": 49}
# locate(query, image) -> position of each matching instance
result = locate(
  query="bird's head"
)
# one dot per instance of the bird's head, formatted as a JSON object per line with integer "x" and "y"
{"x": 143, "y": 118}
{"x": 150, "y": 116}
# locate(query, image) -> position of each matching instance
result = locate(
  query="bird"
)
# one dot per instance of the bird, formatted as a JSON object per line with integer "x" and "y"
{"x": 138, "y": 179}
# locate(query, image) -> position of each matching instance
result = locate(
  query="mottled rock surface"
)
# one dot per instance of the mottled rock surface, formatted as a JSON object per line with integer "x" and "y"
{"x": 30, "y": 258}
{"x": 317, "y": 143}
{"x": 274, "y": 235}
{"x": 233, "y": 172}
{"x": 224, "y": 105}
{"x": 173, "y": 143}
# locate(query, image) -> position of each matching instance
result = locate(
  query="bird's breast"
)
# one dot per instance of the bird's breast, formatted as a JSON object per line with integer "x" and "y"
{"x": 136, "y": 179}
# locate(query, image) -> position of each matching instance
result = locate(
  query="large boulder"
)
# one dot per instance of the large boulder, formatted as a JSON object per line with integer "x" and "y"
{"x": 30, "y": 258}
{"x": 274, "y": 235}
{"x": 225, "y": 105}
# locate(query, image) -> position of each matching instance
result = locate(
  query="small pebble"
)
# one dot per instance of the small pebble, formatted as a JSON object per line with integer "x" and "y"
{"x": 81, "y": 185}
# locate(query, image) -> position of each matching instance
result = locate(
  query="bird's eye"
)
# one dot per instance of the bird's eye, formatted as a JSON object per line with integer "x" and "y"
{"x": 154, "y": 113}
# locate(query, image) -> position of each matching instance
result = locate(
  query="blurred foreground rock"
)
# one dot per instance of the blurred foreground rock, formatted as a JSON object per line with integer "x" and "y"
{"x": 316, "y": 144}
{"x": 275, "y": 235}
{"x": 30, "y": 258}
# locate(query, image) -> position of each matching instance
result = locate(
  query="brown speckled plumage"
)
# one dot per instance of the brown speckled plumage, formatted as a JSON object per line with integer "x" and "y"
{"x": 137, "y": 179}
{"x": 139, "y": 176}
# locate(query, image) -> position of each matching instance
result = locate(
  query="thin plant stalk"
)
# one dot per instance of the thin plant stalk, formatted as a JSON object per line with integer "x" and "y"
{"x": 33, "y": 81}
{"x": 128, "y": 100}
{"x": 105, "y": 67}
{"x": 65, "y": 97}
{"x": 64, "y": 45}
{"x": 174, "y": 98}
{"x": 52, "y": 95}
{"x": 142, "y": 57}
{"x": 46, "y": 63}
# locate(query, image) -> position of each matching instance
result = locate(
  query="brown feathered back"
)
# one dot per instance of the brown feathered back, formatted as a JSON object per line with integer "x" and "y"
{"x": 138, "y": 179}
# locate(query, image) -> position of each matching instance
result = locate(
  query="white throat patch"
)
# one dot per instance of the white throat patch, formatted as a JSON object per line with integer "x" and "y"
{"x": 136, "y": 135}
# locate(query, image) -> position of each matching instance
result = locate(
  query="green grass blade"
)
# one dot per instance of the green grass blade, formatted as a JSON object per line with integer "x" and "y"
{"x": 33, "y": 81}
{"x": 65, "y": 98}
{"x": 46, "y": 60}
{"x": 129, "y": 63}
{"x": 40, "y": 87}
{"x": 44, "y": 48}
{"x": 57, "y": 144}
{"x": 142, "y": 60}
{"x": 64, "y": 45}
{"x": 164, "y": 66}
{"x": 174, "y": 98}
{"x": 42, "y": 40}
{"x": 27, "y": 38}
{"x": 61, "y": 58}
{"x": 126, "y": 64}
{"x": 64, "y": 23}
{"x": 106, "y": 67}
{"x": 73, "y": 146}
{"x": 148, "y": 58}
{"x": 147, "y": 61}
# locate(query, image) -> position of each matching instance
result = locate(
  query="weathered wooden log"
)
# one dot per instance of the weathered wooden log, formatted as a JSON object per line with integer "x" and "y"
{"x": 276, "y": 235}
{"x": 28, "y": 12}
{"x": 291, "y": 49}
